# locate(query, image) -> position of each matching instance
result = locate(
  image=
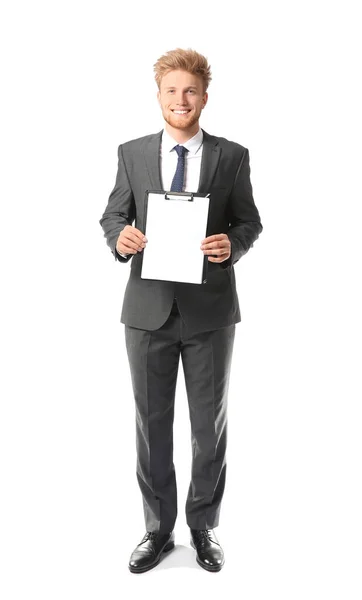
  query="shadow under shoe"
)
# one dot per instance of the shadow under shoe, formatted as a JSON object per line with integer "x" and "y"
{"x": 148, "y": 552}
{"x": 210, "y": 555}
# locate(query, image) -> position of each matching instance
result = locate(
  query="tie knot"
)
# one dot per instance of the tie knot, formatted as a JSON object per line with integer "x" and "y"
{"x": 181, "y": 150}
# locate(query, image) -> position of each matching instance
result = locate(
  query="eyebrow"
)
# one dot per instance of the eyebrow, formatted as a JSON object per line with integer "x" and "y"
{"x": 171, "y": 87}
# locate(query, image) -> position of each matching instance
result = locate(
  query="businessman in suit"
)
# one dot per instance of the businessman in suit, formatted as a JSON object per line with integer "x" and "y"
{"x": 166, "y": 319}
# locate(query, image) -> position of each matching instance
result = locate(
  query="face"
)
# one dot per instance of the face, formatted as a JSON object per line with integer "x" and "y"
{"x": 181, "y": 99}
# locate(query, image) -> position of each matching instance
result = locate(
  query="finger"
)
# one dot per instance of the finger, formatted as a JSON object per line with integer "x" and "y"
{"x": 214, "y": 259}
{"x": 218, "y": 259}
{"x": 213, "y": 251}
{"x": 224, "y": 243}
{"x": 133, "y": 231}
{"x": 132, "y": 242}
{"x": 139, "y": 234}
{"x": 216, "y": 248}
{"x": 214, "y": 238}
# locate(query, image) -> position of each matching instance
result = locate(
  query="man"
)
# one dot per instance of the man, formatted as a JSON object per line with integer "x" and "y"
{"x": 164, "y": 319}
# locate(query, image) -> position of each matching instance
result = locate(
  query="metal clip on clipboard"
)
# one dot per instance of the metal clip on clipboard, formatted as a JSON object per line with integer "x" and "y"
{"x": 179, "y": 196}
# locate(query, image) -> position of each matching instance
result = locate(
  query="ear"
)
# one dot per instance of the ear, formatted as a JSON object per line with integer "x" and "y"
{"x": 159, "y": 98}
{"x": 205, "y": 99}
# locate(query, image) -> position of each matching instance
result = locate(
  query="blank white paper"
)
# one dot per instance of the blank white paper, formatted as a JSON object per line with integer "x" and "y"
{"x": 174, "y": 230}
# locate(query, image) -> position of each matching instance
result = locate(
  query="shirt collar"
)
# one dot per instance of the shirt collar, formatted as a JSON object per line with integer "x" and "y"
{"x": 192, "y": 145}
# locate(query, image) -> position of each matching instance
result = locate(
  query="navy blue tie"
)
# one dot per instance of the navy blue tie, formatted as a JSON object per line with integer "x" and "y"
{"x": 178, "y": 179}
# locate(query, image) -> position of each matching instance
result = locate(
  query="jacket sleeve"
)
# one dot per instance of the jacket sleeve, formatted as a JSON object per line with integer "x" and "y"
{"x": 120, "y": 210}
{"x": 243, "y": 215}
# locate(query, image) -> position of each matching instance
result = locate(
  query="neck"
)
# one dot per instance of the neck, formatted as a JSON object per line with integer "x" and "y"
{"x": 182, "y": 135}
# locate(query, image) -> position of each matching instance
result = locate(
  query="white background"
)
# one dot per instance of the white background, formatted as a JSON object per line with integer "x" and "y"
{"x": 77, "y": 80}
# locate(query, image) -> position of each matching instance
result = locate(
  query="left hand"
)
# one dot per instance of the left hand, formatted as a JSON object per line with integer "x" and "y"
{"x": 217, "y": 244}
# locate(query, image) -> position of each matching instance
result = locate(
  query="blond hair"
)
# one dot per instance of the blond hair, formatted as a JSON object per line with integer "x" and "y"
{"x": 186, "y": 60}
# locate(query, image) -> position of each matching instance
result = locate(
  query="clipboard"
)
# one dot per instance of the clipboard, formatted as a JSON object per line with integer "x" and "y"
{"x": 174, "y": 224}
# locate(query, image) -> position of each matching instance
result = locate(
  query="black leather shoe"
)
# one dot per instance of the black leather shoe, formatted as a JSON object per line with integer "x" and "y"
{"x": 148, "y": 552}
{"x": 210, "y": 555}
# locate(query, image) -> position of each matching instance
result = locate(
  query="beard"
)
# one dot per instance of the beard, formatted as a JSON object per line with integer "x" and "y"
{"x": 179, "y": 122}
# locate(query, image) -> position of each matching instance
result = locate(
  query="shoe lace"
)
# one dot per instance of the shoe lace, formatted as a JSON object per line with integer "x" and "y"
{"x": 150, "y": 535}
{"x": 203, "y": 535}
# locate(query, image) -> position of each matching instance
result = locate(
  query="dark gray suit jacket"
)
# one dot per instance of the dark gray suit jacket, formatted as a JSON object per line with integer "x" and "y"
{"x": 225, "y": 173}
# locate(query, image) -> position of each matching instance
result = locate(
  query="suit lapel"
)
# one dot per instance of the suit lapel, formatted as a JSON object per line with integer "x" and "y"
{"x": 153, "y": 162}
{"x": 209, "y": 161}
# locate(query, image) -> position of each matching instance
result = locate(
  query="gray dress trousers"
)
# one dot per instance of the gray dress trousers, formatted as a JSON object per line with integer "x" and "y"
{"x": 154, "y": 361}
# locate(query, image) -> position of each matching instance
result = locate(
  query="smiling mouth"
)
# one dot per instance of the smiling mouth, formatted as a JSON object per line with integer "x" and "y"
{"x": 180, "y": 112}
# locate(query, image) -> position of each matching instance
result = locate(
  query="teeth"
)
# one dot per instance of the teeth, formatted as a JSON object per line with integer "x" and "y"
{"x": 181, "y": 112}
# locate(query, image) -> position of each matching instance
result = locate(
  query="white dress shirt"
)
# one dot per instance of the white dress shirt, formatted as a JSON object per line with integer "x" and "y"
{"x": 169, "y": 158}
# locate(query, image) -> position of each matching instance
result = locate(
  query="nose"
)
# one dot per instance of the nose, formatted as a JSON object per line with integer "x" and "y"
{"x": 181, "y": 98}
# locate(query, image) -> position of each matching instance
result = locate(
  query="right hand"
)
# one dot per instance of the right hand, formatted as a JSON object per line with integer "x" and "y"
{"x": 130, "y": 240}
